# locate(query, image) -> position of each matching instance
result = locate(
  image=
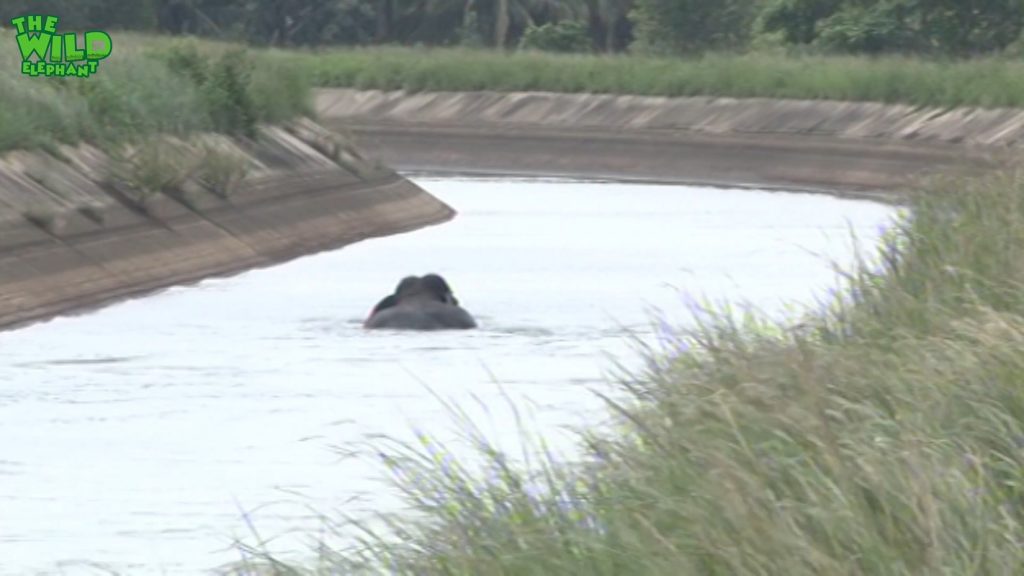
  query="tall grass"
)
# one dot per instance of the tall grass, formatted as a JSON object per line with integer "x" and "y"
{"x": 148, "y": 86}
{"x": 988, "y": 82}
{"x": 883, "y": 436}
{"x": 154, "y": 84}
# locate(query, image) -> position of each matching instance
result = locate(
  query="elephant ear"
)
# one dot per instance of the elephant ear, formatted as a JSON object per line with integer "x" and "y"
{"x": 387, "y": 302}
{"x": 439, "y": 287}
{"x": 408, "y": 285}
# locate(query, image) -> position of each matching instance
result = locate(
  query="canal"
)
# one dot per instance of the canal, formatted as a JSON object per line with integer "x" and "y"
{"x": 147, "y": 435}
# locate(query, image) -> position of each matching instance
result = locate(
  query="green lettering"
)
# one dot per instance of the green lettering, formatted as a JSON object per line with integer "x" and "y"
{"x": 71, "y": 51}
{"x": 44, "y": 52}
{"x": 57, "y": 50}
{"x": 33, "y": 44}
{"x": 95, "y": 38}
{"x": 34, "y": 68}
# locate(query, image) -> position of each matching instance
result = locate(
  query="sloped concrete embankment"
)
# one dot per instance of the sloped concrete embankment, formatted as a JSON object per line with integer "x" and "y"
{"x": 836, "y": 146}
{"x": 75, "y": 231}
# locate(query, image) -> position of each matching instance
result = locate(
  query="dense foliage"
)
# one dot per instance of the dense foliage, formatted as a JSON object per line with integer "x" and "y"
{"x": 693, "y": 25}
{"x": 943, "y": 26}
{"x": 939, "y": 27}
{"x": 561, "y": 37}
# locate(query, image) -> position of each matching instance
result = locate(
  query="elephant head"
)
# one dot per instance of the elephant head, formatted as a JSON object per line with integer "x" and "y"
{"x": 406, "y": 285}
{"x": 420, "y": 303}
{"x": 438, "y": 287}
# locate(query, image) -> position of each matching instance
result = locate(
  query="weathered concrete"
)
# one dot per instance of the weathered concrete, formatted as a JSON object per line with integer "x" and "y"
{"x": 75, "y": 232}
{"x": 697, "y": 114}
{"x": 817, "y": 145}
{"x": 73, "y": 236}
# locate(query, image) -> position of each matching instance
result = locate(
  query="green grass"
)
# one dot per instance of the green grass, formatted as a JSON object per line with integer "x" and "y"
{"x": 153, "y": 85}
{"x": 883, "y": 436}
{"x": 149, "y": 85}
{"x": 990, "y": 82}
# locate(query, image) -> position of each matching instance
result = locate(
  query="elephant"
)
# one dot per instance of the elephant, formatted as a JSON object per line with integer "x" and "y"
{"x": 420, "y": 303}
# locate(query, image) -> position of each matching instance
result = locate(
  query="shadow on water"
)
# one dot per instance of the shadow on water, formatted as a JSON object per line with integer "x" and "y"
{"x": 96, "y": 361}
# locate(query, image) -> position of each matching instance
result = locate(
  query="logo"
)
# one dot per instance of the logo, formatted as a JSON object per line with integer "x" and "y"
{"x": 58, "y": 54}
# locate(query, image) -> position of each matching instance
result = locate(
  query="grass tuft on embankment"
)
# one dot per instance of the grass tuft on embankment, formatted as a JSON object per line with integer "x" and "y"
{"x": 988, "y": 82}
{"x": 883, "y": 435}
{"x": 150, "y": 86}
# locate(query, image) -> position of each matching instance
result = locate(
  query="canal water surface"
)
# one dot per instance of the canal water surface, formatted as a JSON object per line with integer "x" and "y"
{"x": 146, "y": 436}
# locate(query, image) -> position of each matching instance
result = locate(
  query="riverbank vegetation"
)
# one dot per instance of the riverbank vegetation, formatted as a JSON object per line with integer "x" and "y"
{"x": 991, "y": 82}
{"x": 884, "y": 434}
{"x": 918, "y": 52}
{"x": 146, "y": 88}
{"x": 929, "y": 27}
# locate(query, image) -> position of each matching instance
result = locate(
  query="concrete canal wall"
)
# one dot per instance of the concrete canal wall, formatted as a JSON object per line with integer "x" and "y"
{"x": 852, "y": 147}
{"x": 77, "y": 227}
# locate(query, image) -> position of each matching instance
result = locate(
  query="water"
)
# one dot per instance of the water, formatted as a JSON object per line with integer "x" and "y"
{"x": 137, "y": 436}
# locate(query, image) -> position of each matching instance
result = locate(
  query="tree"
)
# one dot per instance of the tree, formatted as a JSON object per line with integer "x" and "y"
{"x": 501, "y": 23}
{"x": 610, "y": 27}
{"x": 798, "y": 19}
{"x": 505, "y": 20}
{"x": 688, "y": 26}
{"x": 385, "y": 16}
{"x": 955, "y": 27}
{"x": 968, "y": 26}
{"x": 86, "y": 14}
{"x": 434, "y": 22}
{"x": 873, "y": 29}
{"x": 307, "y": 22}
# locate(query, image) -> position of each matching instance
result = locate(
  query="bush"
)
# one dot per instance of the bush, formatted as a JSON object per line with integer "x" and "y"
{"x": 220, "y": 170}
{"x": 565, "y": 36}
{"x": 868, "y": 30}
{"x": 156, "y": 165}
{"x": 149, "y": 86}
{"x": 139, "y": 95}
{"x": 35, "y": 112}
{"x": 228, "y": 96}
{"x": 279, "y": 91}
{"x": 223, "y": 84}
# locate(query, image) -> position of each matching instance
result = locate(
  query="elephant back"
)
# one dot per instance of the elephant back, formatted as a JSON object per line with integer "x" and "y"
{"x": 422, "y": 313}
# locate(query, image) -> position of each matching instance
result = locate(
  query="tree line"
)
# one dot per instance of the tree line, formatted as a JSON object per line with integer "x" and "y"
{"x": 934, "y": 27}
